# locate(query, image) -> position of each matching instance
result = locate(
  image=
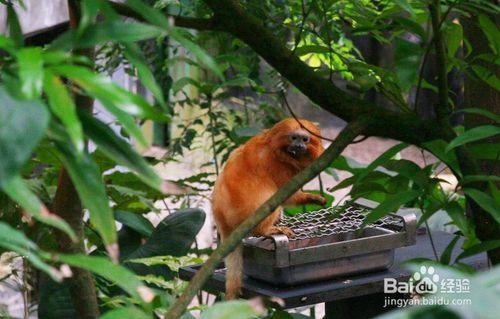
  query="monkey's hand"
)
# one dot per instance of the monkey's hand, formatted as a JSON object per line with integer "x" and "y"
{"x": 281, "y": 230}
{"x": 316, "y": 199}
{"x": 301, "y": 198}
{"x": 273, "y": 230}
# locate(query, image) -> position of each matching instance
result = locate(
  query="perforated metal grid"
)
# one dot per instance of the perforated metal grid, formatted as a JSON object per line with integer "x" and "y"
{"x": 335, "y": 220}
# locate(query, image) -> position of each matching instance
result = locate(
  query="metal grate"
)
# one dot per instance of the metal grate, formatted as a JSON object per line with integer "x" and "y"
{"x": 335, "y": 220}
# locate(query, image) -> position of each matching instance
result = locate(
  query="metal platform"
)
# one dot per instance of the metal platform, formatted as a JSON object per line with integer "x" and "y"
{"x": 342, "y": 289}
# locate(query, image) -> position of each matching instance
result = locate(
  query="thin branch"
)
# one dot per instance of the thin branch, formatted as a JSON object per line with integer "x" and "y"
{"x": 283, "y": 96}
{"x": 346, "y": 136}
{"x": 428, "y": 47}
{"x": 442, "y": 109}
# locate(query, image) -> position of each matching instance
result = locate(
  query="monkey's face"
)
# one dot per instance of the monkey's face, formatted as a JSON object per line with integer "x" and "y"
{"x": 295, "y": 144}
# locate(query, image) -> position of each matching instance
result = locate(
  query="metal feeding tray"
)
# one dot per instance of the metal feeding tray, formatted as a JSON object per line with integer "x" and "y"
{"x": 327, "y": 243}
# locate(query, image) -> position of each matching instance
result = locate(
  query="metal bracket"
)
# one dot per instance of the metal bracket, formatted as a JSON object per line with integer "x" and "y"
{"x": 282, "y": 255}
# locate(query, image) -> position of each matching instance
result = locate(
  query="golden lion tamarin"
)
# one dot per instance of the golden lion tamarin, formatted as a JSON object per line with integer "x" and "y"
{"x": 252, "y": 174}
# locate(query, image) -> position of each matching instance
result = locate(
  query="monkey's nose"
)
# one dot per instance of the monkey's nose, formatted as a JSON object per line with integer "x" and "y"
{"x": 297, "y": 149}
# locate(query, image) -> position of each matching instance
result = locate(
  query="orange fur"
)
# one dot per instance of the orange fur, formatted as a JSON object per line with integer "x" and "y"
{"x": 253, "y": 173}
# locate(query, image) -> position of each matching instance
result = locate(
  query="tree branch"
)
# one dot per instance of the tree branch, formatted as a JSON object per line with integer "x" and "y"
{"x": 346, "y": 136}
{"x": 179, "y": 21}
{"x": 442, "y": 109}
{"x": 67, "y": 205}
{"x": 232, "y": 17}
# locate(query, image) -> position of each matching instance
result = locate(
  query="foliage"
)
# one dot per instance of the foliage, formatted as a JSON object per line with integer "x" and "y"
{"x": 43, "y": 130}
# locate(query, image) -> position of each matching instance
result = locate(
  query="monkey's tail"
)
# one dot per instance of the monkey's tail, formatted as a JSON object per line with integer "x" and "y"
{"x": 234, "y": 273}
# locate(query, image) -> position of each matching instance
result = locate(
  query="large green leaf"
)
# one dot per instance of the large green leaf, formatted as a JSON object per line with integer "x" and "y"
{"x": 22, "y": 125}
{"x": 173, "y": 236}
{"x": 102, "y": 88}
{"x": 479, "y": 248}
{"x": 128, "y": 122}
{"x": 457, "y": 214}
{"x": 474, "y": 134}
{"x": 485, "y": 201}
{"x": 156, "y": 18}
{"x": 30, "y": 64}
{"x": 438, "y": 148}
{"x": 136, "y": 58}
{"x": 17, "y": 189}
{"x": 487, "y": 75}
{"x": 64, "y": 108}
{"x": 392, "y": 204}
{"x": 119, "y": 150}
{"x": 491, "y": 31}
{"x": 15, "y": 31}
{"x": 235, "y": 309}
{"x": 483, "y": 112}
{"x": 14, "y": 240}
{"x": 117, "y": 274}
{"x": 87, "y": 179}
{"x": 116, "y": 31}
{"x": 135, "y": 221}
{"x": 125, "y": 312}
{"x": 386, "y": 156}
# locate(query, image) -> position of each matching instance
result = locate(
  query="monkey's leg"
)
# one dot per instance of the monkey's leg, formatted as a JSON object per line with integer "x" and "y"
{"x": 301, "y": 198}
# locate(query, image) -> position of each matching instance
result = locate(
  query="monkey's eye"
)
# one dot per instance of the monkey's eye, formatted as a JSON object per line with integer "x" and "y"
{"x": 294, "y": 137}
{"x": 305, "y": 139}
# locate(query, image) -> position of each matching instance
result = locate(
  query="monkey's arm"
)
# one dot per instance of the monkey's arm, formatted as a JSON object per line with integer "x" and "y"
{"x": 301, "y": 198}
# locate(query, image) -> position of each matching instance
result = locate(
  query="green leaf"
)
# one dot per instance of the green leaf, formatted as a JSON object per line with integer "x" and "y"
{"x": 491, "y": 31}
{"x": 103, "y": 88}
{"x": 453, "y": 37}
{"x": 64, "y": 108}
{"x": 457, "y": 214}
{"x": 87, "y": 179}
{"x": 155, "y": 17}
{"x": 90, "y": 9}
{"x": 438, "y": 148}
{"x": 135, "y": 221}
{"x": 387, "y": 155}
{"x": 16, "y": 141}
{"x": 392, "y": 204}
{"x": 487, "y": 75}
{"x": 173, "y": 236}
{"x": 119, "y": 150}
{"x": 446, "y": 256}
{"x": 485, "y": 201}
{"x": 479, "y": 178}
{"x": 17, "y": 189}
{"x": 14, "y": 240}
{"x": 307, "y": 49}
{"x": 15, "y": 32}
{"x": 30, "y": 65}
{"x": 7, "y": 44}
{"x": 182, "y": 82}
{"x": 128, "y": 122}
{"x": 125, "y": 312}
{"x": 116, "y": 31}
{"x": 136, "y": 58}
{"x": 235, "y": 309}
{"x": 412, "y": 26}
{"x": 484, "y": 151}
{"x": 479, "y": 248}
{"x": 474, "y": 134}
{"x": 404, "y": 4}
{"x": 117, "y": 274}
{"x": 483, "y": 112}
